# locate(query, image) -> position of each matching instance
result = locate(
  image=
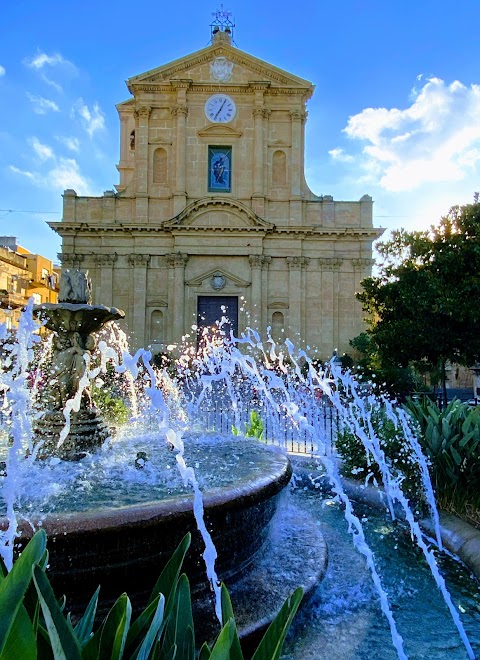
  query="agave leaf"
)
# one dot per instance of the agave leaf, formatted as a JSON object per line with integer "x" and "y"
{"x": 62, "y": 638}
{"x": 84, "y": 628}
{"x": 221, "y": 650}
{"x": 179, "y": 620}
{"x": 456, "y": 456}
{"x": 167, "y": 582}
{"x": 14, "y": 586}
{"x": 205, "y": 652}
{"x": 153, "y": 632}
{"x": 227, "y": 615}
{"x": 271, "y": 645}
{"x": 115, "y": 629}
{"x": 22, "y": 640}
{"x": 142, "y": 623}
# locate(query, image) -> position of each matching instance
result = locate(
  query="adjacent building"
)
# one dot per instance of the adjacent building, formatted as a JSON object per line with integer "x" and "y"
{"x": 23, "y": 275}
{"x": 212, "y": 212}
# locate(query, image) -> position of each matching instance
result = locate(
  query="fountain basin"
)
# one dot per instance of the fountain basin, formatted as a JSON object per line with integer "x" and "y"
{"x": 76, "y": 317}
{"x": 124, "y": 547}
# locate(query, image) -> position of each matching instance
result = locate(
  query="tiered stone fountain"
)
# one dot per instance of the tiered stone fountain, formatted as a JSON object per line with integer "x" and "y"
{"x": 73, "y": 320}
{"x": 122, "y": 543}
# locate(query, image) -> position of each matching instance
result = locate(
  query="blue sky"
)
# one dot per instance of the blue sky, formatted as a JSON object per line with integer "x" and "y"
{"x": 395, "y": 114}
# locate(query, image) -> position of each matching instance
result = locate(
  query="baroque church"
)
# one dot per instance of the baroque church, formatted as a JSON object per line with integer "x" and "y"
{"x": 212, "y": 214}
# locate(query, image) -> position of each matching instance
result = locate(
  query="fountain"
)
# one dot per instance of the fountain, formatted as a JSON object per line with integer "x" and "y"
{"x": 120, "y": 530}
{"x": 71, "y": 425}
{"x": 114, "y": 513}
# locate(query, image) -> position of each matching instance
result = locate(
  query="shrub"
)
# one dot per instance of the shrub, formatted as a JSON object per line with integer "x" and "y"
{"x": 254, "y": 428}
{"x": 398, "y": 456}
{"x": 32, "y": 623}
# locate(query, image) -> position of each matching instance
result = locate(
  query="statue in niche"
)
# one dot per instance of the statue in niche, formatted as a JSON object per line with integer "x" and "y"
{"x": 75, "y": 287}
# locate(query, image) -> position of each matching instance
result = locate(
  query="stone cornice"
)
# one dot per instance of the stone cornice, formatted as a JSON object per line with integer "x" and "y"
{"x": 219, "y": 130}
{"x": 212, "y": 88}
{"x": 237, "y": 281}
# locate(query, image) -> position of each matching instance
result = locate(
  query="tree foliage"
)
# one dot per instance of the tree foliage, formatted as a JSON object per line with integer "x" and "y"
{"x": 423, "y": 304}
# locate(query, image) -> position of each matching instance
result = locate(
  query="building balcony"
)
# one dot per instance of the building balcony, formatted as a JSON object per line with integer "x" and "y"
{"x": 12, "y": 300}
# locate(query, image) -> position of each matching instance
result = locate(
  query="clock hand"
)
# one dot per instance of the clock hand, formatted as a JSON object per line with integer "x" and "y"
{"x": 220, "y": 109}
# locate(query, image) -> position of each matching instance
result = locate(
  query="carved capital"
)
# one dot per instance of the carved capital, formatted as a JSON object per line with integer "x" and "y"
{"x": 363, "y": 263}
{"x": 179, "y": 111}
{"x": 255, "y": 261}
{"x": 297, "y": 115}
{"x": 296, "y": 263}
{"x": 177, "y": 259}
{"x": 330, "y": 263}
{"x": 266, "y": 113}
{"x": 258, "y": 113}
{"x": 138, "y": 259}
{"x": 104, "y": 259}
{"x": 143, "y": 111}
{"x": 70, "y": 260}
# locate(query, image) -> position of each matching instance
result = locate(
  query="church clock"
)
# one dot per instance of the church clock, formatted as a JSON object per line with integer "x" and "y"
{"x": 220, "y": 108}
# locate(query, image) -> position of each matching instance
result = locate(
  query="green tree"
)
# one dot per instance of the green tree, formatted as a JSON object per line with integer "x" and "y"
{"x": 423, "y": 304}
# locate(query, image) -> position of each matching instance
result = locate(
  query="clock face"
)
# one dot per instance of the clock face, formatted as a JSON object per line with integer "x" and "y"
{"x": 220, "y": 108}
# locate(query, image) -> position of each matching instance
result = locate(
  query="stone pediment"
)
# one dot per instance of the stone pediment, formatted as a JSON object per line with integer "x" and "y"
{"x": 195, "y": 69}
{"x": 229, "y": 278}
{"x": 217, "y": 213}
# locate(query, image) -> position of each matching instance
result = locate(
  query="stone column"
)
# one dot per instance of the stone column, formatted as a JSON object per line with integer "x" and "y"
{"x": 142, "y": 115}
{"x": 296, "y": 297}
{"x": 176, "y": 295}
{"x": 297, "y": 118}
{"x": 180, "y": 194}
{"x": 139, "y": 263}
{"x": 124, "y": 137}
{"x": 103, "y": 291}
{"x": 256, "y": 303}
{"x": 264, "y": 321}
{"x": 258, "y": 179}
{"x": 330, "y": 267}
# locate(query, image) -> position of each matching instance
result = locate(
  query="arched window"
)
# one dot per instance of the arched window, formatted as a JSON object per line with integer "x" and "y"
{"x": 156, "y": 326}
{"x": 278, "y": 324}
{"x": 160, "y": 166}
{"x": 132, "y": 140}
{"x": 279, "y": 168}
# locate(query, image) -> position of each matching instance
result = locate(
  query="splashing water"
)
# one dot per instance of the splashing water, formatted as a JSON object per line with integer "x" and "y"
{"x": 234, "y": 371}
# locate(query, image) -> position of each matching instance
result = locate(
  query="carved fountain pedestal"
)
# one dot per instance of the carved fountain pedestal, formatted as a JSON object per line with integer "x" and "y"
{"x": 72, "y": 426}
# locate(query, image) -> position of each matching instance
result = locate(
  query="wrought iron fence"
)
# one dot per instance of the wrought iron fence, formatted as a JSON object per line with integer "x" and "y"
{"x": 278, "y": 429}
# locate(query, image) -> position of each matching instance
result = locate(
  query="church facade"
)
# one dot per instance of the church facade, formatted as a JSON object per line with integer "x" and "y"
{"x": 213, "y": 212}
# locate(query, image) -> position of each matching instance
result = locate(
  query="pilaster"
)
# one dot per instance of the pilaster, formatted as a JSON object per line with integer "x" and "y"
{"x": 176, "y": 294}
{"x": 296, "y": 296}
{"x": 104, "y": 264}
{"x": 139, "y": 264}
{"x": 330, "y": 267}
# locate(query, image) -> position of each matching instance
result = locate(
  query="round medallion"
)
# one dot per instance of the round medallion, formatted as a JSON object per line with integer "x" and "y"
{"x": 220, "y": 109}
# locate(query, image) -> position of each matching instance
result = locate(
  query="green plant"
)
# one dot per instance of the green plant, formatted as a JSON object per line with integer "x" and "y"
{"x": 359, "y": 462}
{"x": 254, "y": 428}
{"x": 33, "y": 624}
{"x": 451, "y": 440}
{"x": 112, "y": 407}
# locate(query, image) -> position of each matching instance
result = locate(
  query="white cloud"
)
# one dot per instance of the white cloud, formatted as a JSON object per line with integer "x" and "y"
{"x": 40, "y": 60}
{"x": 340, "y": 155}
{"x": 42, "y": 105}
{"x": 2, "y": 71}
{"x": 92, "y": 120}
{"x": 72, "y": 143}
{"x": 65, "y": 173}
{"x": 435, "y": 139}
{"x": 42, "y": 150}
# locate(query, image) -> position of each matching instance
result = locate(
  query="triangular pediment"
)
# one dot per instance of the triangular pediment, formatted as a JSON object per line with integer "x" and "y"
{"x": 195, "y": 68}
{"x": 218, "y": 213}
{"x": 215, "y": 272}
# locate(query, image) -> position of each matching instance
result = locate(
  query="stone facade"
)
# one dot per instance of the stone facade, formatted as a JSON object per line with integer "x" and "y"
{"x": 213, "y": 204}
